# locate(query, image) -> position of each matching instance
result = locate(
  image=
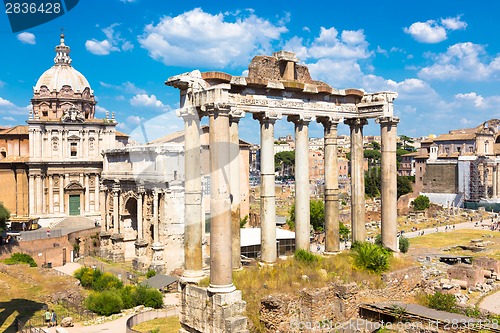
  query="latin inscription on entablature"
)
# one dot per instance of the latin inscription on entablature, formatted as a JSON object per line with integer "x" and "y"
{"x": 290, "y": 104}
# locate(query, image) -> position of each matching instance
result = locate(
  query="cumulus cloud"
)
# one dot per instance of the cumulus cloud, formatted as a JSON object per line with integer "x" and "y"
{"x": 147, "y": 101}
{"x": 113, "y": 42}
{"x": 127, "y": 87}
{"x": 432, "y": 31}
{"x": 462, "y": 61}
{"x": 27, "y": 38}
{"x": 197, "y": 38}
{"x": 7, "y": 107}
{"x": 479, "y": 102}
{"x": 134, "y": 120}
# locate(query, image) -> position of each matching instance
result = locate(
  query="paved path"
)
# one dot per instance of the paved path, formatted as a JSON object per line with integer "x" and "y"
{"x": 491, "y": 303}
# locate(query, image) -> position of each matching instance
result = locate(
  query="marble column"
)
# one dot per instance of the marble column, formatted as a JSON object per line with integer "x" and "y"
{"x": 116, "y": 209}
{"x": 140, "y": 194}
{"x": 62, "y": 208}
{"x": 96, "y": 193}
{"x": 87, "y": 193}
{"x": 156, "y": 231}
{"x": 193, "y": 224}
{"x": 495, "y": 180}
{"x": 267, "y": 187}
{"x": 221, "y": 279}
{"x": 51, "y": 194}
{"x": 43, "y": 194}
{"x": 234, "y": 179}
{"x": 497, "y": 185}
{"x": 302, "y": 188}
{"x": 332, "y": 239}
{"x": 103, "y": 198}
{"x": 31, "y": 185}
{"x": 389, "y": 184}
{"x": 39, "y": 194}
{"x": 358, "y": 229}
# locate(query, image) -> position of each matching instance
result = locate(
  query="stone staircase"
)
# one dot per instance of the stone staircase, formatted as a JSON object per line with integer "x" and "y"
{"x": 77, "y": 222}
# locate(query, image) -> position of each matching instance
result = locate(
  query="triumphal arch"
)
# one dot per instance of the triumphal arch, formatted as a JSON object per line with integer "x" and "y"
{"x": 277, "y": 87}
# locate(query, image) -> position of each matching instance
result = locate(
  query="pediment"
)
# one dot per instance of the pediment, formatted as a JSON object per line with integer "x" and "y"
{"x": 73, "y": 137}
{"x": 74, "y": 186}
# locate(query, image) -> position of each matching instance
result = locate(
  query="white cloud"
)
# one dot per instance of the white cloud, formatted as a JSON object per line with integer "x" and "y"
{"x": 134, "y": 120}
{"x": 8, "y": 118}
{"x": 472, "y": 97}
{"x": 112, "y": 43}
{"x": 462, "y": 61}
{"x": 196, "y": 38}
{"x": 427, "y": 32}
{"x": 127, "y": 87}
{"x": 100, "y": 109}
{"x": 7, "y": 107}
{"x": 103, "y": 47}
{"x": 453, "y": 23}
{"x": 27, "y": 38}
{"x": 147, "y": 101}
{"x": 432, "y": 32}
{"x": 338, "y": 73}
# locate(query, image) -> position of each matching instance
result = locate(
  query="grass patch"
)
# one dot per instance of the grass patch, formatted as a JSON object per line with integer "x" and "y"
{"x": 458, "y": 237}
{"x": 160, "y": 325}
{"x": 286, "y": 277}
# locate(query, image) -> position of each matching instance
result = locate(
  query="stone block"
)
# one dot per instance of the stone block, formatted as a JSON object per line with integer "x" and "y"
{"x": 488, "y": 264}
{"x": 472, "y": 274}
{"x": 235, "y": 324}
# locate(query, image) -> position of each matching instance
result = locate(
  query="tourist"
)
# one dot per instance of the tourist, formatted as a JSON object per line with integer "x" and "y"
{"x": 48, "y": 233}
{"x": 47, "y": 317}
{"x": 53, "y": 319}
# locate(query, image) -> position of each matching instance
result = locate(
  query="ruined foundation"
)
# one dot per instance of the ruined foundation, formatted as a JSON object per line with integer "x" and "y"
{"x": 203, "y": 311}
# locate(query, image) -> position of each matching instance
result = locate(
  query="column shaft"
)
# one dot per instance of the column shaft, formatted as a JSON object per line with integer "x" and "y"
{"x": 302, "y": 191}
{"x": 51, "y": 194}
{"x": 31, "y": 184}
{"x": 116, "y": 213}
{"x": 357, "y": 180}
{"x": 332, "y": 240}
{"x": 267, "y": 189}
{"x": 234, "y": 174}
{"x": 96, "y": 193}
{"x": 140, "y": 234}
{"x": 193, "y": 227}
{"x": 221, "y": 279}
{"x": 103, "y": 198}
{"x": 87, "y": 193}
{"x": 62, "y": 207}
{"x": 156, "y": 232}
{"x": 39, "y": 194}
{"x": 389, "y": 182}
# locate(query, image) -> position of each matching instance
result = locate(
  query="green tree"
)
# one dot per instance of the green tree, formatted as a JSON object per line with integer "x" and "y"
{"x": 343, "y": 232}
{"x": 404, "y": 140}
{"x": 372, "y": 182}
{"x": 404, "y": 244}
{"x": 375, "y": 145}
{"x": 421, "y": 202}
{"x": 317, "y": 215}
{"x": 4, "y": 216}
{"x": 404, "y": 185}
{"x": 284, "y": 161}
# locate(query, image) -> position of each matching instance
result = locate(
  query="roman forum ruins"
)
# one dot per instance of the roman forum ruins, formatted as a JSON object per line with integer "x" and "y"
{"x": 276, "y": 86}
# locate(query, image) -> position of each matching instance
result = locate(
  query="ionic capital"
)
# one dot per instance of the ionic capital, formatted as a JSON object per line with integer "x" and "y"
{"x": 189, "y": 113}
{"x": 267, "y": 117}
{"x": 300, "y": 119}
{"x": 356, "y": 122}
{"x": 219, "y": 109}
{"x": 328, "y": 121}
{"x": 387, "y": 120}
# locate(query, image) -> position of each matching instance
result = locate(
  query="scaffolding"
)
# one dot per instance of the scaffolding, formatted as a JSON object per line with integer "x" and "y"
{"x": 478, "y": 179}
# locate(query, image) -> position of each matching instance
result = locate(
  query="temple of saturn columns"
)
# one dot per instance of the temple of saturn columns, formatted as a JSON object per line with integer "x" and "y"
{"x": 276, "y": 86}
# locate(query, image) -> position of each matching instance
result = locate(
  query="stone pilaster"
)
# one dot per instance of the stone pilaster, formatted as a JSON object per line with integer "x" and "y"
{"x": 103, "y": 195}
{"x": 156, "y": 225}
{"x": 87, "y": 193}
{"x": 118, "y": 248}
{"x": 388, "y": 132}
{"x": 234, "y": 179}
{"x": 221, "y": 280}
{"x": 357, "y": 179}
{"x": 193, "y": 223}
{"x": 96, "y": 193}
{"x": 267, "y": 186}
{"x": 302, "y": 190}
{"x": 116, "y": 209}
{"x": 332, "y": 240}
{"x": 31, "y": 185}
{"x": 494, "y": 181}
{"x": 39, "y": 195}
{"x": 62, "y": 204}
{"x": 51, "y": 194}
{"x": 140, "y": 195}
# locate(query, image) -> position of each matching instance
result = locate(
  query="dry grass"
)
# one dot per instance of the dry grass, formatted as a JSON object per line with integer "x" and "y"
{"x": 24, "y": 294}
{"x": 164, "y": 325}
{"x": 286, "y": 277}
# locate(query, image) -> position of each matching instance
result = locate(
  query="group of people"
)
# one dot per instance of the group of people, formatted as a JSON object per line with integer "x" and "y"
{"x": 50, "y": 318}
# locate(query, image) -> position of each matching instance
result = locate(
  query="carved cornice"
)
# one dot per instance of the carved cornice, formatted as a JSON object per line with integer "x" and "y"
{"x": 328, "y": 121}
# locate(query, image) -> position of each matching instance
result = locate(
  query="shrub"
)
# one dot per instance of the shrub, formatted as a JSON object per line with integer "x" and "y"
{"x": 421, "y": 202}
{"x": 305, "y": 256}
{"x": 150, "y": 273}
{"x": 105, "y": 303}
{"x": 149, "y": 297}
{"x": 20, "y": 258}
{"x": 317, "y": 215}
{"x": 443, "y": 302}
{"x": 378, "y": 240}
{"x": 404, "y": 244}
{"x": 106, "y": 281}
{"x": 343, "y": 232}
{"x": 4, "y": 216}
{"x": 87, "y": 276}
{"x": 129, "y": 297}
{"x": 371, "y": 257}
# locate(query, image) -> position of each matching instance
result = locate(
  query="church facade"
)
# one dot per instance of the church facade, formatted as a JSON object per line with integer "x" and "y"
{"x": 56, "y": 164}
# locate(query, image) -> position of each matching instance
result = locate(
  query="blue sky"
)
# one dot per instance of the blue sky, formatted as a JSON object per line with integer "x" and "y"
{"x": 441, "y": 57}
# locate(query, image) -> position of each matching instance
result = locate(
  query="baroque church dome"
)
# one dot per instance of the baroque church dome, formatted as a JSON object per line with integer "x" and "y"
{"x": 62, "y": 73}
{"x": 61, "y": 88}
